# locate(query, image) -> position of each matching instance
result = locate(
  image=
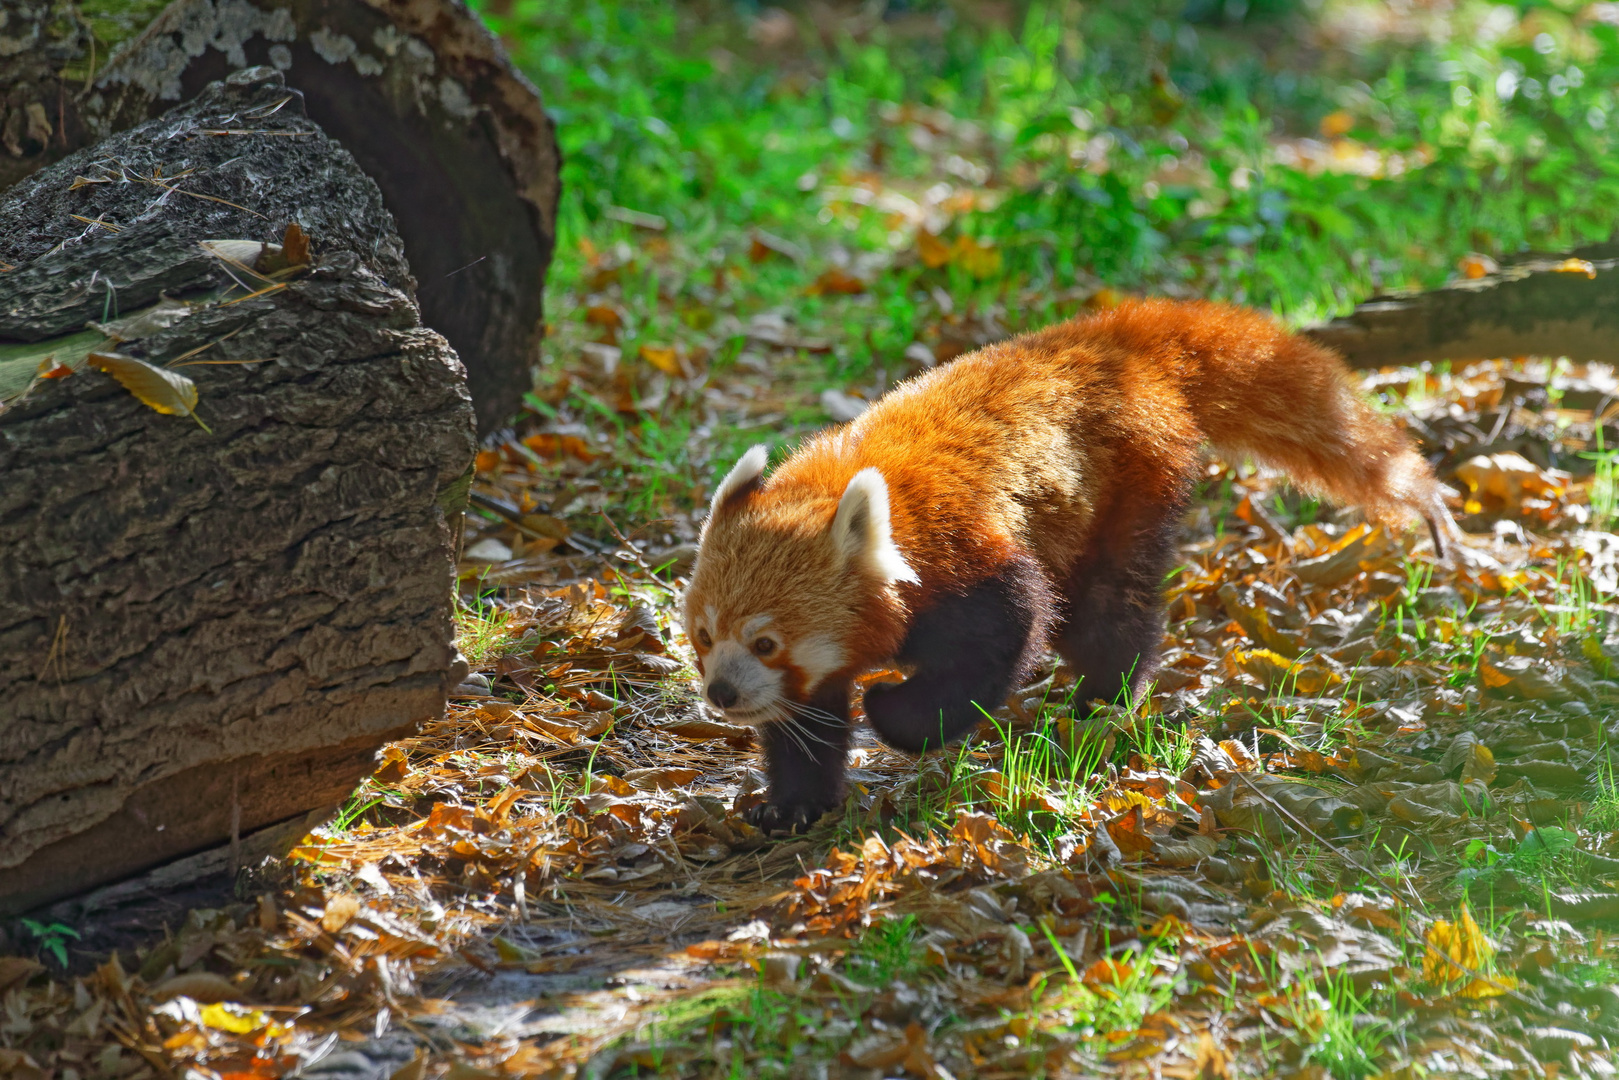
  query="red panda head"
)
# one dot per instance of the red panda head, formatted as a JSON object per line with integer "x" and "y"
{"x": 793, "y": 584}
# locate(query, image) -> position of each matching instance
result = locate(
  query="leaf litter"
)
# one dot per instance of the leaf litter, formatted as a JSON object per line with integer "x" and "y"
{"x": 1365, "y": 822}
{"x": 1365, "y": 783}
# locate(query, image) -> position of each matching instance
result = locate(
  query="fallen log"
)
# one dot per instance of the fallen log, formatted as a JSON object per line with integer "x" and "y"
{"x": 418, "y": 91}
{"x": 211, "y": 618}
{"x": 1558, "y": 306}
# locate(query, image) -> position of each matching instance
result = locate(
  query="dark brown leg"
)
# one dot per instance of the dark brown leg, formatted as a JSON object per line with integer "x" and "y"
{"x": 969, "y": 652}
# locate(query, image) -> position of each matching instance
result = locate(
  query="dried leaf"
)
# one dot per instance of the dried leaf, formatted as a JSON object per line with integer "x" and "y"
{"x": 199, "y": 986}
{"x": 1460, "y": 953}
{"x": 933, "y": 251}
{"x": 165, "y": 391}
{"x": 16, "y": 969}
{"x": 339, "y": 910}
{"x": 294, "y": 245}
{"x": 665, "y": 359}
{"x": 661, "y": 779}
{"x": 709, "y": 729}
{"x": 837, "y": 281}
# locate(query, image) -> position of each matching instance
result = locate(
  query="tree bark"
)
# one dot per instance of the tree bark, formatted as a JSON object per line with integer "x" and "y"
{"x": 208, "y": 630}
{"x": 418, "y": 91}
{"x": 1541, "y": 307}
{"x": 40, "y": 40}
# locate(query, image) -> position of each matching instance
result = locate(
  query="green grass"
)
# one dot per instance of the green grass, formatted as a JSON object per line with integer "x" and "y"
{"x": 887, "y": 951}
{"x": 653, "y": 116}
{"x": 482, "y": 630}
{"x": 1336, "y": 1029}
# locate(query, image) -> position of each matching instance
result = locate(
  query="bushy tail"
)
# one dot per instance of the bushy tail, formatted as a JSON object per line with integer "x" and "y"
{"x": 1255, "y": 389}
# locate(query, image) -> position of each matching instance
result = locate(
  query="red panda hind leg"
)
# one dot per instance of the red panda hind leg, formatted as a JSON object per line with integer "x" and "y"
{"x": 969, "y": 652}
{"x": 1113, "y": 619}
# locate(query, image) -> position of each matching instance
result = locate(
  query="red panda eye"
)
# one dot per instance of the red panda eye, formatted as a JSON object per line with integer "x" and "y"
{"x": 764, "y": 647}
{"x": 703, "y": 639}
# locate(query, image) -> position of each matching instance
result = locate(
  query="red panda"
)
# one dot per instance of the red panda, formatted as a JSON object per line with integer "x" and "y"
{"x": 1025, "y": 495}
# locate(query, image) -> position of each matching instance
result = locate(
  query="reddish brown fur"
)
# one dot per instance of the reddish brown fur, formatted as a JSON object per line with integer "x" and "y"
{"x": 1070, "y": 445}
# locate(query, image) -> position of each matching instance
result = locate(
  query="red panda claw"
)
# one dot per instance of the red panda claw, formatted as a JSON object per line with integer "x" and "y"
{"x": 788, "y": 818}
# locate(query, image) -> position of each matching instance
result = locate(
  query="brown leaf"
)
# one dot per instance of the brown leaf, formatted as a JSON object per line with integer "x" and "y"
{"x": 16, "y": 969}
{"x": 880, "y": 1051}
{"x": 339, "y": 910}
{"x": 708, "y": 729}
{"x": 837, "y": 281}
{"x": 19, "y": 1066}
{"x": 661, "y": 779}
{"x": 295, "y": 245}
{"x": 604, "y": 316}
{"x": 664, "y": 358}
{"x": 933, "y": 251}
{"x": 200, "y": 986}
{"x": 1523, "y": 677}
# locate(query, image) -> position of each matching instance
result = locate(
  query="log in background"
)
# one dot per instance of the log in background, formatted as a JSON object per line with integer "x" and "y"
{"x": 201, "y": 632}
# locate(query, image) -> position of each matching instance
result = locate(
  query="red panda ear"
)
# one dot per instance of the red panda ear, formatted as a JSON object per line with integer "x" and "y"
{"x": 744, "y": 477}
{"x": 861, "y": 532}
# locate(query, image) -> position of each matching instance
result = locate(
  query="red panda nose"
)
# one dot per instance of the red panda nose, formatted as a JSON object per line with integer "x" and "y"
{"x": 722, "y": 693}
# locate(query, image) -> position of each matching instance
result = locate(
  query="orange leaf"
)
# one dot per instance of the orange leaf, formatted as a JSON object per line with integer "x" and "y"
{"x": 980, "y": 258}
{"x": 1336, "y": 124}
{"x": 1107, "y": 973}
{"x": 294, "y": 245}
{"x": 604, "y": 316}
{"x": 661, "y": 357}
{"x": 934, "y": 252}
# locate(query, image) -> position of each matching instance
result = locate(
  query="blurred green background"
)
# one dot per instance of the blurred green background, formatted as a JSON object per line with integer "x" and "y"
{"x": 1294, "y": 154}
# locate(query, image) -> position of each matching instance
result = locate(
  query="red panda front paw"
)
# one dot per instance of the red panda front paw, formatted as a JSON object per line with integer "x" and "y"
{"x": 787, "y": 817}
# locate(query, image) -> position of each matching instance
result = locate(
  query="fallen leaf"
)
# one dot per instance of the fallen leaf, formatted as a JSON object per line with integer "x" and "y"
{"x": 661, "y": 779}
{"x": 666, "y": 360}
{"x": 708, "y": 729}
{"x": 1337, "y": 124}
{"x": 221, "y": 1018}
{"x": 16, "y": 969}
{"x": 158, "y": 388}
{"x": 837, "y": 281}
{"x": 339, "y": 910}
{"x": 295, "y": 245}
{"x": 199, "y": 986}
{"x": 1458, "y": 952}
{"x": 933, "y": 251}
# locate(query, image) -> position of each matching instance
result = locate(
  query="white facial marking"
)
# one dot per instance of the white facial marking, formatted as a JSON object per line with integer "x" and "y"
{"x": 818, "y": 657}
{"x": 758, "y": 687}
{"x": 752, "y": 627}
